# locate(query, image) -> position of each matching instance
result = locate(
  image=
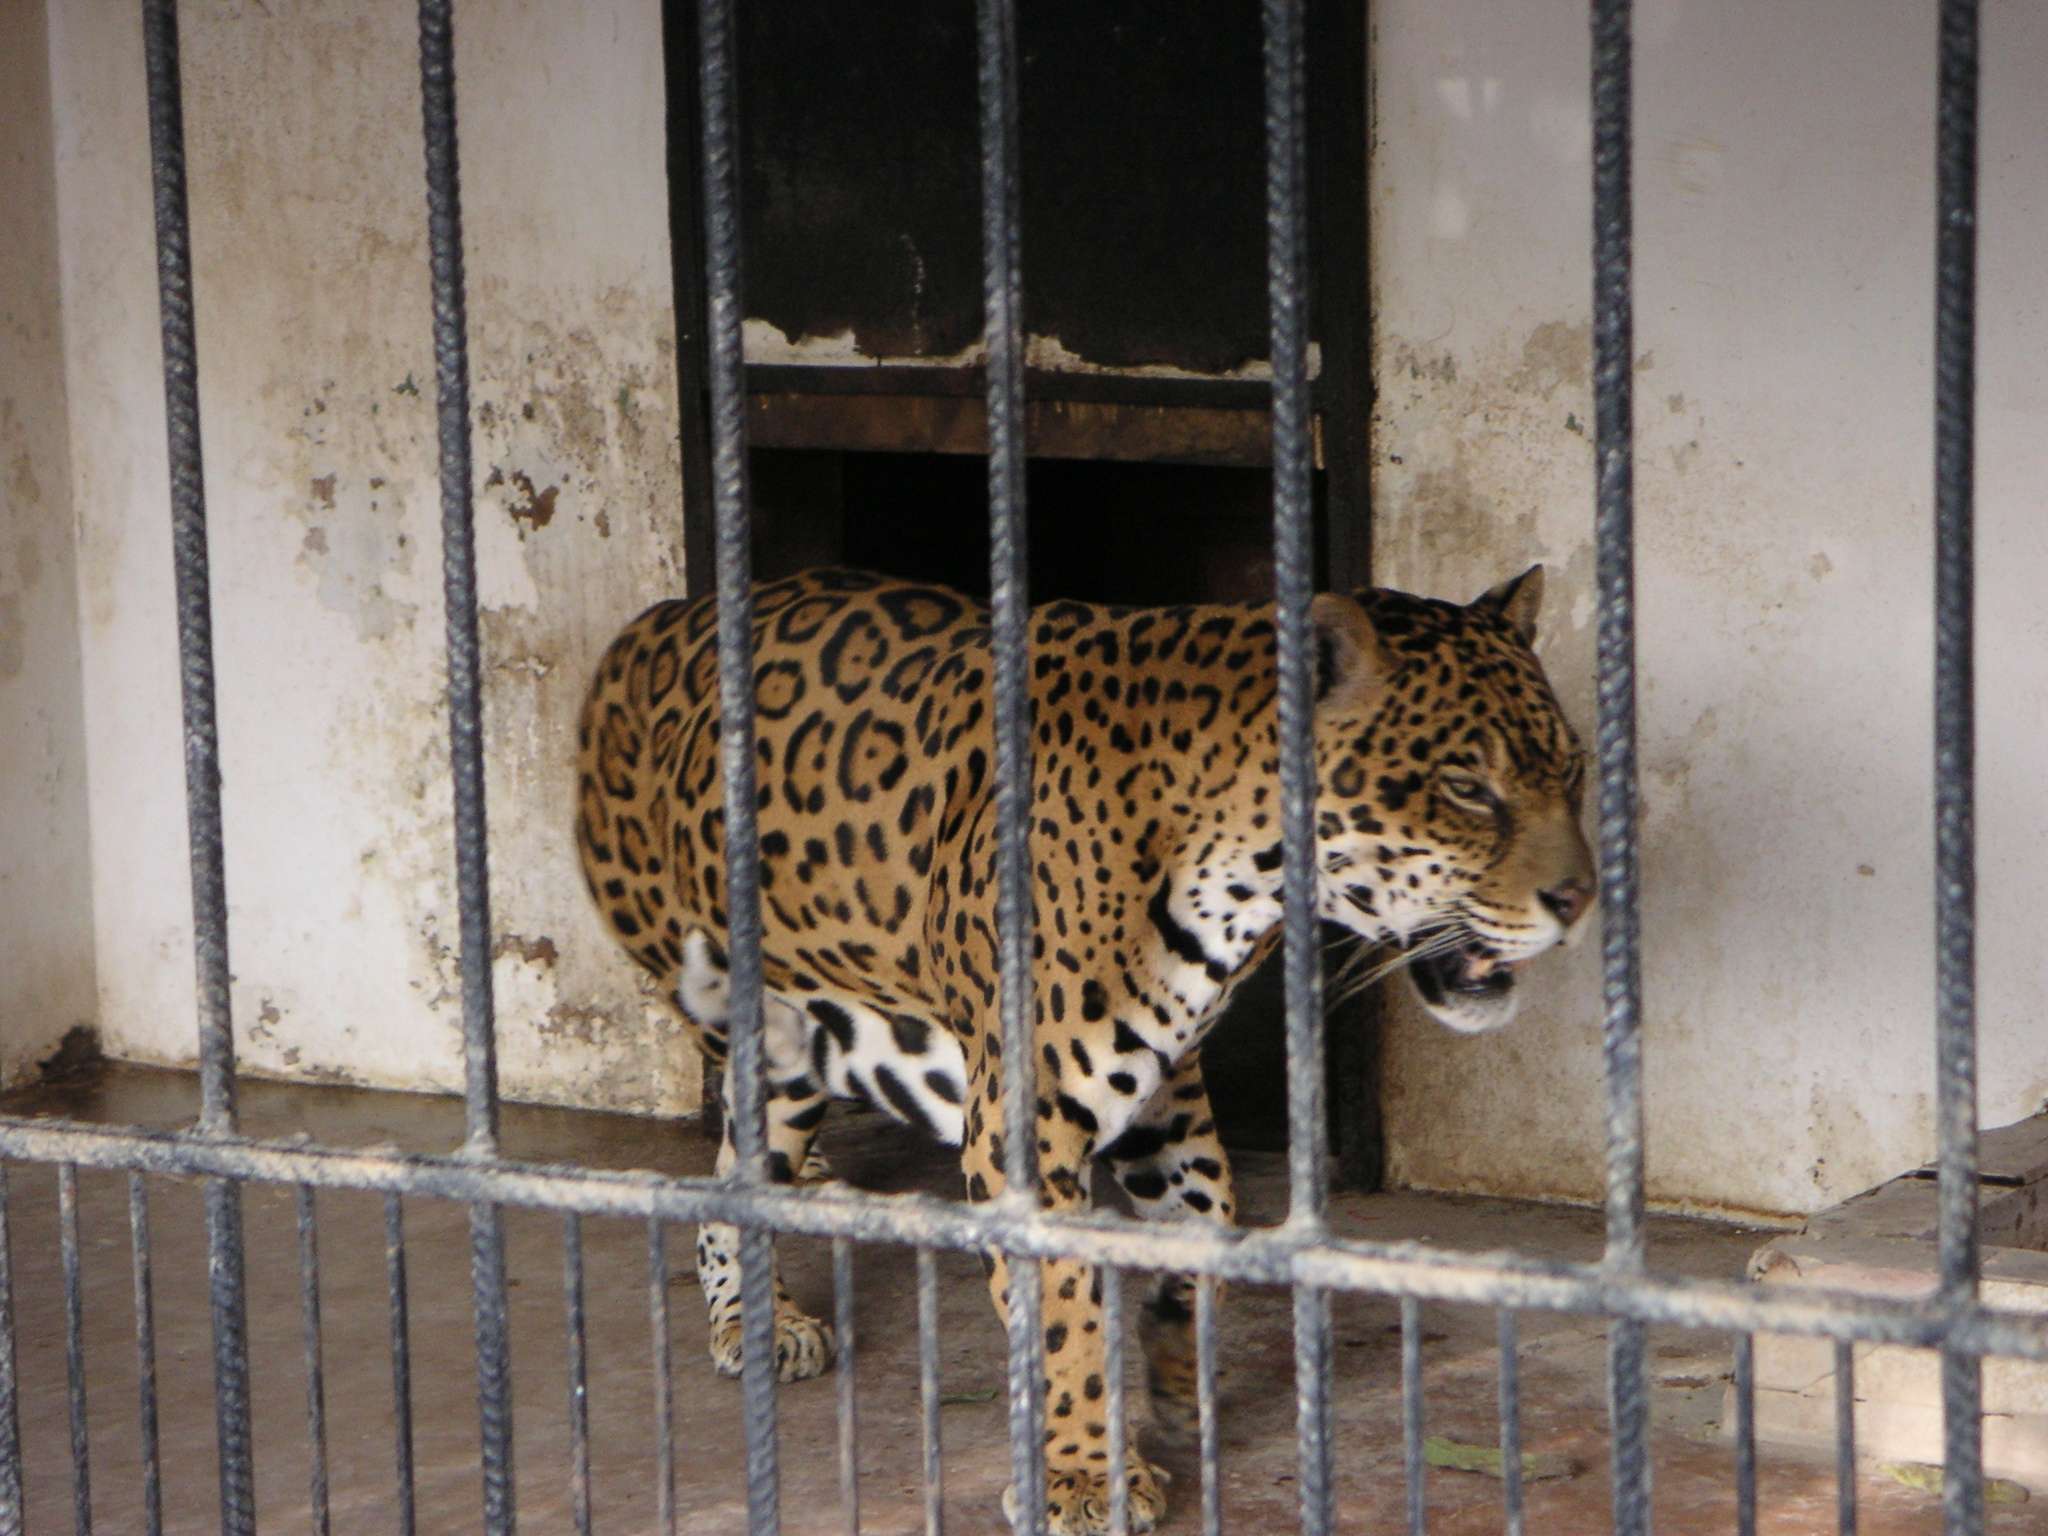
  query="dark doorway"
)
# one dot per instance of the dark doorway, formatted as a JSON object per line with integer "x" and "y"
{"x": 1100, "y": 532}
{"x": 1142, "y": 144}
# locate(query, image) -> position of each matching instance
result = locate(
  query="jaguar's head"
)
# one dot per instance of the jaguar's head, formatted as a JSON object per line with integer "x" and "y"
{"x": 1449, "y": 793}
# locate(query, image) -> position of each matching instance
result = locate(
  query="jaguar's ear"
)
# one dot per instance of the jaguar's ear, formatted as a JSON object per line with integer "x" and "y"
{"x": 1352, "y": 664}
{"x": 1518, "y": 601}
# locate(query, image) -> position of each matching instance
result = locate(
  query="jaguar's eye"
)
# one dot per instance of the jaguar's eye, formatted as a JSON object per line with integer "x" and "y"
{"x": 1467, "y": 791}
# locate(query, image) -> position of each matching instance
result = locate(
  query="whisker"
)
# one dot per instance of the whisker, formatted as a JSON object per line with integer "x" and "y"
{"x": 1345, "y": 985}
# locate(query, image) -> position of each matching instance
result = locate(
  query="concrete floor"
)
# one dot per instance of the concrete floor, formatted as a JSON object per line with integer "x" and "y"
{"x": 1563, "y": 1389}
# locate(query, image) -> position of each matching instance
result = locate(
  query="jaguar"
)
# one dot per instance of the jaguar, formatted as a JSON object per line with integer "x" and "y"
{"x": 1447, "y": 832}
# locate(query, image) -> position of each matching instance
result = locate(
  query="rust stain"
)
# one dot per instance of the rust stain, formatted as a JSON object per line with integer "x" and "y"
{"x": 584, "y": 1026}
{"x": 323, "y": 491}
{"x": 540, "y": 951}
{"x": 536, "y": 509}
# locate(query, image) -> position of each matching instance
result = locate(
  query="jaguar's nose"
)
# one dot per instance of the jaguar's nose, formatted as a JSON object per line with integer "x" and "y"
{"x": 1567, "y": 901}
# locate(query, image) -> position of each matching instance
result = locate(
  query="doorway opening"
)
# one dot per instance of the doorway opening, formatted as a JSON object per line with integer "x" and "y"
{"x": 1146, "y": 311}
{"x": 1100, "y": 531}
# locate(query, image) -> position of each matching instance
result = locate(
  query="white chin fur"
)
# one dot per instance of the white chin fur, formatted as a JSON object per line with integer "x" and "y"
{"x": 1474, "y": 1015}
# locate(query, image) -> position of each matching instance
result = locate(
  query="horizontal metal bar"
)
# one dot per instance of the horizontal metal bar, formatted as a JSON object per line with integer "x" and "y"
{"x": 1271, "y": 1256}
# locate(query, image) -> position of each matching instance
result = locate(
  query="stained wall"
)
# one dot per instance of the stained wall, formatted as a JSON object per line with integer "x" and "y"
{"x": 316, "y": 393}
{"x": 1784, "y": 244}
{"x": 46, "y": 927}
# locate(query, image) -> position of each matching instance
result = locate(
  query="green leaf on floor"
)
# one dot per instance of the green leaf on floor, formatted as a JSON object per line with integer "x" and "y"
{"x": 1918, "y": 1474}
{"x": 1485, "y": 1459}
{"x": 950, "y": 1399}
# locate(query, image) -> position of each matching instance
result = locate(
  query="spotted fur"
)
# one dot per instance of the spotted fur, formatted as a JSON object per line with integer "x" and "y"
{"x": 1447, "y": 824}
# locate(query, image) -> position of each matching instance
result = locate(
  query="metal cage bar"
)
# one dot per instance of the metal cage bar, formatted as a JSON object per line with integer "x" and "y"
{"x": 847, "y": 1341}
{"x": 1009, "y": 627}
{"x": 1412, "y": 1414}
{"x": 1745, "y": 1435}
{"x": 12, "y": 1513}
{"x": 1614, "y": 545}
{"x": 316, "y": 1373}
{"x": 465, "y": 749}
{"x": 664, "y": 1377}
{"x": 1262, "y": 1257}
{"x": 1845, "y": 1437}
{"x": 1117, "y": 1445}
{"x": 202, "y": 759}
{"x": 1510, "y": 1423}
{"x": 928, "y": 1392}
{"x": 401, "y": 1358}
{"x": 717, "y": 93}
{"x": 1955, "y": 849}
{"x": 1207, "y": 1428}
{"x": 145, "y": 1359}
{"x": 74, "y": 1347}
{"x": 579, "y": 1372}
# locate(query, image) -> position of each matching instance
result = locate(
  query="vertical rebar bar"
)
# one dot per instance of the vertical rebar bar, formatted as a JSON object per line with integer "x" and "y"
{"x": 1312, "y": 1376}
{"x": 202, "y": 756}
{"x": 458, "y": 573}
{"x": 718, "y": 94}
{"x": 145, "y": 1358}
{"x": 1411, "y": 1413}
{"x": 11, "y": 1511}
{"x": 664, "y": 1377}
{"x": 316, "y": 1385}
{"x": 1614, "y": 539}
{"x": 465, "y": 747}
{"x": 1118, "y": 1446}
{"x": 74, "y": 1347}
{"x": 843, "y": 1384}
{"x": 579, "y": 1371}
{"x": 1745, "y": 1435}
{"x": 928, "y": 1391}
{"x": 1287, "y": 293}
{"x": 401, "y": 1358}
{"x": 1009, "y": 585}
{"x": 488, "y": 1283}
{"x": 188, "y": 539}
{"x": 1510, "y": 1424}
{"x": 1205, "y": 1405}
{"x": 1845, "y": 1437}
{"x": 1955, "y": 285}
{"x": 1009, "y": 634}
{"x": 1294, "y": 583}
{"x": 230, "y": 1357}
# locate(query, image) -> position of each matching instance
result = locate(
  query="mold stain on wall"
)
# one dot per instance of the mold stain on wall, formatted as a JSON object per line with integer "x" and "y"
{"x": 317, "y": 393}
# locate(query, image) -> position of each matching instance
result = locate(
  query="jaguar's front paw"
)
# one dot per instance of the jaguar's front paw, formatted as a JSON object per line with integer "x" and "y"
{"x": 1077, "y": 1500}
{"x": 804, "y": 1347}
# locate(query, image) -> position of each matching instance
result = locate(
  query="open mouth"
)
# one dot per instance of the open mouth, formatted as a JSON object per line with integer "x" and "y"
{"x": 1469, "y": 971}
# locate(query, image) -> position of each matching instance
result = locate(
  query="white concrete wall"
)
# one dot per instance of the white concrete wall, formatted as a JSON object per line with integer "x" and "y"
{"x": 316, "y": 391}
{"x": 1784, "y": 246}
{"x": 46, "y": 934}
